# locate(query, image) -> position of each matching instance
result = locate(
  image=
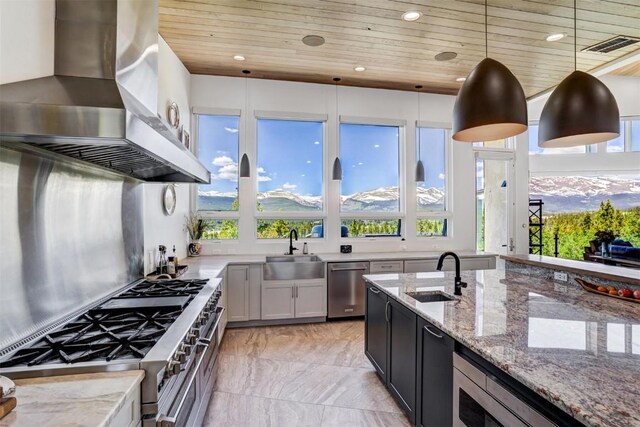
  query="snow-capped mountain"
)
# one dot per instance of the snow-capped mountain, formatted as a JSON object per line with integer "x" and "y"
{"x": 579, "y": 193}
{"x": 271, "y": 198}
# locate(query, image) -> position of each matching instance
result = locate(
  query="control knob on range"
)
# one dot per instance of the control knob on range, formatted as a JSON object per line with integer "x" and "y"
{"x": 186, "y": 348}
{"x": 191, "y": 338}
{"x": 173, "y": 368}
{"x": 180, "y": 356}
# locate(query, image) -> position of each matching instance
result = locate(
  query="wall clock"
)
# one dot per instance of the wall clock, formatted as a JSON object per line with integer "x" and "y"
{"x": 169, "y": 199}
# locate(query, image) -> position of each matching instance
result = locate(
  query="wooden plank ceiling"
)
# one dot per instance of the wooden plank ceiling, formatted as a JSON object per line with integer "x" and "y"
{"x": 206, "y": 34}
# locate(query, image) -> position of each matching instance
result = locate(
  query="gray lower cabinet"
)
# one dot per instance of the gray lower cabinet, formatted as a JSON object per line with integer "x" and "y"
{"x": 237, "y": 293}
{"x": 435, "y": 376}
{"x": 287, "y": 299}
{"x": 390, "y": 345}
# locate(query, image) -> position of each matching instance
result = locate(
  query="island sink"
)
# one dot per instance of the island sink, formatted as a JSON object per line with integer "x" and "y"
{"x": 430, "y": 296}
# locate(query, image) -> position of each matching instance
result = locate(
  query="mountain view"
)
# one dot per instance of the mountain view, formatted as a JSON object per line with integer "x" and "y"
{"x": 581, "y": 193}
{"x": 380, "y": 199}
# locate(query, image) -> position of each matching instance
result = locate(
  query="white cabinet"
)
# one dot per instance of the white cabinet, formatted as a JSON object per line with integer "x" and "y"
{"x": 395, "y": 266}
{"x": 129, "y": 413}
{"x": 237, "y": 293}
{"x": 311, "y": 298}
{"x": 471, "y": 263}
{"x": 223, "y": 303}
{"x": 287, "y": 299}
{"x": 278, "y": 300}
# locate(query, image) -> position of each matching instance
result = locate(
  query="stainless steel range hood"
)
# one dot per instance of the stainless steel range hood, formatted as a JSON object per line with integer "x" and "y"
{"x": 101, "y": 104}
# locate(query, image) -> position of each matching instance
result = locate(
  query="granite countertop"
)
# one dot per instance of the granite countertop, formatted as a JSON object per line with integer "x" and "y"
{"x": 595, "y": 269}
{"x": 79, "y": 400}
{"x": 376, "y": 256}
{"x": 578, "y": 350}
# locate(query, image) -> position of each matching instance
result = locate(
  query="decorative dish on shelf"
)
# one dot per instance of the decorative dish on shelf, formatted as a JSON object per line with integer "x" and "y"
{"x": 624, "y": 293}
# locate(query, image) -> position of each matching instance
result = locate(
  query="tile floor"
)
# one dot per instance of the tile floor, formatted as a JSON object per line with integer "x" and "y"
{"x": 299, "y": 375}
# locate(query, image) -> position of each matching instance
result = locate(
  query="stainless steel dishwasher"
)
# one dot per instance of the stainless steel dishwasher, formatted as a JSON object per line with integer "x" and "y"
{"x": 346, "y": 289}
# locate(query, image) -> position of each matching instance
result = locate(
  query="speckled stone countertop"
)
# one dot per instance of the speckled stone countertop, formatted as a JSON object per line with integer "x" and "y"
{"x": 578, "y": 350}
{"x": 78, "y": 400}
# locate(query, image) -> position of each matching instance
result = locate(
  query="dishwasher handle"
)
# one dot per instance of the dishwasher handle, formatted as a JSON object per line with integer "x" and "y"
{"x": 352, "y": 267}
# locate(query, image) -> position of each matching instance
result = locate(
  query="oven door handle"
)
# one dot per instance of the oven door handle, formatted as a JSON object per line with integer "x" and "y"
{"x": 207, "y": 340}
{"x": 167, "y": 421}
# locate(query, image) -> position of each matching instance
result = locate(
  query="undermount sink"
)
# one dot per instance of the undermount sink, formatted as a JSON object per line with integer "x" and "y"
{"x": 293, "y": 258}
{"x": 430, "y": 296}
{"x": 293, "y": 267}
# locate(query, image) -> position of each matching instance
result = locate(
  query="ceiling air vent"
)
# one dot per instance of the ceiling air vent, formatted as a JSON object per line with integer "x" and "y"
{"x": 618, "y": 42}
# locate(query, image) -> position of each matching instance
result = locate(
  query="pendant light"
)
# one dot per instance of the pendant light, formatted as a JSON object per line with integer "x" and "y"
{"x": 245, "y": 166}
{"x": 580, "y": 111}
{"x": 491, "y": 103}
{"x": 336, "y": 173}
{"x": 419, "y": 165}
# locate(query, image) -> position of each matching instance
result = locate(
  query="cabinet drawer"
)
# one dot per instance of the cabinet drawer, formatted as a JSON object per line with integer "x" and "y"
{"x": 129, "y": 414}
{"x": 386, "y": 266}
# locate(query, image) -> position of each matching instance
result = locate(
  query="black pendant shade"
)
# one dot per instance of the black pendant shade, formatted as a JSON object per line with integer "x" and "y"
{"x": 420, "y": 171}
{"x": 245, "y": 167}
{"x": 490, "y": 105}
{"x": 336, "y": 173}
{"x": 580, "y": 111}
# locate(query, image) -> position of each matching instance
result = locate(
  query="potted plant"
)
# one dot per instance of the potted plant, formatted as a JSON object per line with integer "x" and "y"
{"x": 195, "y": 225}
{"x": 605, "y": 237}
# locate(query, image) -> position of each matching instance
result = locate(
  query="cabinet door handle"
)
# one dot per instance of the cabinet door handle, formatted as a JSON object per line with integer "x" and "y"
{"x": 292, "y": 293}
{"x": 296, "y": 286}
{"x": 374, "y": 290}
{"x": 246, "y": 274}
{"x": 386, "y": 312}
{"x": 428, "y": 329}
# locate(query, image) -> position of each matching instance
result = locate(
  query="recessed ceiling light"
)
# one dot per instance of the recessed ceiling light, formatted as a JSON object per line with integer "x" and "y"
{"x": 461, "y": 79}
{"x": 313, "y": 40}
{"x": 359, "y": 68}
{"x": 238, "y": 57}
{"x": 554, "y": 37}
{"x": 445, "y": 56}
{"x": 411, "y": 15}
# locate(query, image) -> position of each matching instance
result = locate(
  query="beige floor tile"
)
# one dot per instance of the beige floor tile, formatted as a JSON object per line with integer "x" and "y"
{"x": 339, "y": 386}
{"x": 244, "y": 341}
{"x": 308, "y": 350}
{"x": 254, "y": 376}
{"x": 233, "y": 410}
{"x": 345, "y": 417}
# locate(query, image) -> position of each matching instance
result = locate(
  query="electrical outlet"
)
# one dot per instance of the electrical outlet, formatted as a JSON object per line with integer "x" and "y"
{"x": 562, "y": 277}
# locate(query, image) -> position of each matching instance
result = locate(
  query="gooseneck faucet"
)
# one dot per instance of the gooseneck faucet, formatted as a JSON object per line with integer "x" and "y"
{"x": 459, "y": 284}
{"x": 292, "y": 233}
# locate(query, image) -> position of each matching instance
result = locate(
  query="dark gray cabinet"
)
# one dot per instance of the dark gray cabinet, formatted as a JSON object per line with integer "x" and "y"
{"x": 375, "y": 332}
{"x": 390, "y": 345}
{"x": 401, "y": 374}
{"x": 435, "y": 376}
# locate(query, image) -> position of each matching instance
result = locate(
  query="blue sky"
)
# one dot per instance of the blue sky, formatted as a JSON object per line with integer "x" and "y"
{"x": 218, "y": 151}
{"x": 432, "y": 153}
{"x": 290, "y": 156}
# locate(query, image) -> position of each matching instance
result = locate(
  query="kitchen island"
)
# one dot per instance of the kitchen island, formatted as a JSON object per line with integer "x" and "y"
{"x": 578, "y": 351}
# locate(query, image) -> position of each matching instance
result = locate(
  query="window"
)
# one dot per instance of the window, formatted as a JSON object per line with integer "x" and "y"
{"x": 218, "y": 143}
{"x": 432, "y": 151}
{"x": 635, "y": 135}
{"x": 280, "y": 228}
{"x": 432, "y": 227}
{"x": 290, "y": 178}
{"x": 290, "y": 165}
{"x": 617, "y": 145}
{"x": 221, "y": 229}
{"x": 370, "y": 156}
{"x": 370, "y": 227}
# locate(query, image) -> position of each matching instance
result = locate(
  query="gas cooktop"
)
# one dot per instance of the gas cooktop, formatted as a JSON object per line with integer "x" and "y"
{"x": 124, "y": 327}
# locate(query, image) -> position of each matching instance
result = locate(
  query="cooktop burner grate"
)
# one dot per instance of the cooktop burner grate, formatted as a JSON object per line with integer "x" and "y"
{"x": 98, "y": 336}
{"x": 158, "y": 288}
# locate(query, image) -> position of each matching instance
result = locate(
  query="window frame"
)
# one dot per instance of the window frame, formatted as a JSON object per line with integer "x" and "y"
{"x": 195, "y": 141}
{"x": 299, "y": 215}
{"x": 401, "y": 214}
{"x": 447, "y": 212}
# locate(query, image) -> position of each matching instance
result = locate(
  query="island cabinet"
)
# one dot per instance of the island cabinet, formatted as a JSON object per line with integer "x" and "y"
{"x": 390, "y": 345}
{"x": 434, "y": 376}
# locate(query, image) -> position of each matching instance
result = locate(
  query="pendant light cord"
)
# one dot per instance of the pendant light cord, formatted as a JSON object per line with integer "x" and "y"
{"x": 418, "y": 125}
{"x": 575, "y": 35}
{"x": 486, "y": 31}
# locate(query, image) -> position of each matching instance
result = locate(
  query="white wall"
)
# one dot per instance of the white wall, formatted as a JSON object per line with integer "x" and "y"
{"x": 160, "y": 229}
{"x": 26, "y": 39}
{"x": 229, "y": 93}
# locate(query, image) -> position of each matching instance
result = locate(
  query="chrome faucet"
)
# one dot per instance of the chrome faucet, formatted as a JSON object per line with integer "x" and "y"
{"x": 459, "y": 284}
{"x": 291, "y": 234}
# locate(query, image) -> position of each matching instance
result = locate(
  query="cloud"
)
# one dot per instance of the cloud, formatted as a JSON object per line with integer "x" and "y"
{"x": 376, "y": 146}
{"x": 308, "y": 161}
{"x": 303, "y": 175}
{"x": 360, "y": 163}
{"x": 261, "y": 176}
{"x": 288, "y": 186}
{"x": 227, "y": 172}
{"x": 316, "y": 142}
{"x": 231, "y": 130}
{"x": 441, "y": 176}
{"x": 223, "y": 161}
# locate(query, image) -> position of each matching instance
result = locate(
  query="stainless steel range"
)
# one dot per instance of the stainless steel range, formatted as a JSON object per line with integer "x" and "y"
{"x": 167, "y": 328}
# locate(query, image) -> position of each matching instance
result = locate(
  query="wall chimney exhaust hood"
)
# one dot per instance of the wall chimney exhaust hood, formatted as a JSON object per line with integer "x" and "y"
{"x": 101, "y": 104}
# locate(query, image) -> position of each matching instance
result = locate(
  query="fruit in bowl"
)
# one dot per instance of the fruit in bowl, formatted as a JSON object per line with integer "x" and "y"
{"x": 613, "y": 292}
{"x": 612, "y": 288}
{"x": 603, "y": 289}
{"x": 636, "y": 294}
{"x": 625, "y": 293}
